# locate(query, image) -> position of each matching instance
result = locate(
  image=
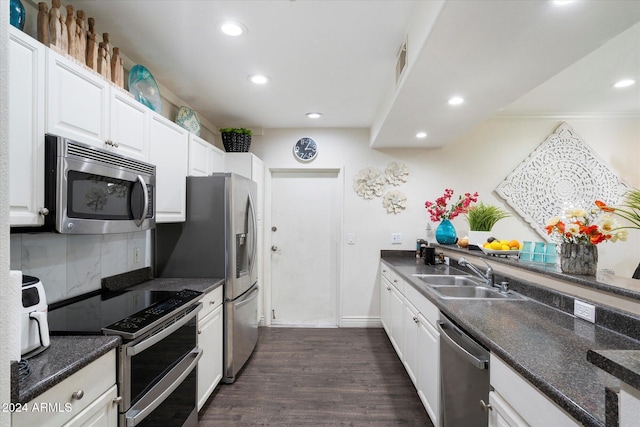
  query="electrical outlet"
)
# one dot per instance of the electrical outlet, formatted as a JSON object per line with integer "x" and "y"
{"x": 584, "y": 311}
{"x": 136, "y": 255}
{"x": 396, "y": 238}
{"x": 446, "y": 260}
{"x": 351, "y": 238}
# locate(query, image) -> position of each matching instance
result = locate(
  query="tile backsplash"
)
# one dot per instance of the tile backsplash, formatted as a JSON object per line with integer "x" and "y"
{"x": 72, "y": 265}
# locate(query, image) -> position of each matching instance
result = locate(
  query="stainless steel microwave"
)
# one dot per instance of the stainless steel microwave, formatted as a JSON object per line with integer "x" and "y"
{"x": 94, "y": 191}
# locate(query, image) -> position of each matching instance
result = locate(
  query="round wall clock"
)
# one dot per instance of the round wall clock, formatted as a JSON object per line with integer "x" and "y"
{"x": 305, "y": 149}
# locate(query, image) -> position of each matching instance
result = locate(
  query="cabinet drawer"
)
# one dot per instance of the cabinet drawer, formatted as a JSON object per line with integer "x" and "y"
{"x": 387, "y": 272}
{"x": 210, "y": 301}
{"x": 57, "y": 405}
{"x": 424, "y": 306}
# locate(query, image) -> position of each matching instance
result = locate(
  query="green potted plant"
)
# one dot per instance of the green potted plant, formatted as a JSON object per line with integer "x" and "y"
{"x": 481, "y": 219}
{"x": 236, "y": 139}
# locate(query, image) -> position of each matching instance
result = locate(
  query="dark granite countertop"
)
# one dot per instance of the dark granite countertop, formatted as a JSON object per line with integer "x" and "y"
{"x": 623, "y": 364}
{"x": 170, "y": 284}
{"x": 65, "y": 356}
{"x": 545, "y": 345}
{"x": 623, "y": 286}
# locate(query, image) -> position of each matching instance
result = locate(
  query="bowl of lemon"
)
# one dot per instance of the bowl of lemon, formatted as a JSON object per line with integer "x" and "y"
{"x": 498, "y": 247}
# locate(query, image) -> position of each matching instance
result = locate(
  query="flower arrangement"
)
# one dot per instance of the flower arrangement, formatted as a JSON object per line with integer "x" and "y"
{"x": 483, "y": 217}
{"x": 439, "y": 210}
{"x": 586, "y": 227}
{"x": 629, "y": 210}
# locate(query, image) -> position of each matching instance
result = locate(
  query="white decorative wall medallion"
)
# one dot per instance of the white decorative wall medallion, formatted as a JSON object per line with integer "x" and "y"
{"x": 396, "y": 173}
{"x": 562, "y": 172}
{"x": 369, "y": 183}
{"x": 394, "y": 201}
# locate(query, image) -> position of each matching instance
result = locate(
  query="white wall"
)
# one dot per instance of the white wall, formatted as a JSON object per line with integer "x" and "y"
{"x": 479, "y": 161}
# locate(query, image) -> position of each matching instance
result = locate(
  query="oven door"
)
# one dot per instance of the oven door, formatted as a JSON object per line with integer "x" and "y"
{"x": 158, "y": 375}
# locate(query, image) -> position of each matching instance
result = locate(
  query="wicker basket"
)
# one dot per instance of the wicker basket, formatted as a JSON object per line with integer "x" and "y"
{"x": 236, "y": 142}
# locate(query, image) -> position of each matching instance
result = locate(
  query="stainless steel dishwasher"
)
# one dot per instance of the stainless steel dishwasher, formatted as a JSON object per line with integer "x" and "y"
{"x": 464, "y": 371}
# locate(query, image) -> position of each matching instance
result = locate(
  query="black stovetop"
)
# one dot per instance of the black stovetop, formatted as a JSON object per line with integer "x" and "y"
{"x": 127, "y": 313}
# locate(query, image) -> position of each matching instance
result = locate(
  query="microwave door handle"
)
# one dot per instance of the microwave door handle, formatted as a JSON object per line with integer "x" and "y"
{"x": 255, "y": 233}
{"x": 145, "y": 206}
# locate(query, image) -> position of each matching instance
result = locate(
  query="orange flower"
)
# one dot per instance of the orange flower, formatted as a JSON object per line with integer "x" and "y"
{"x": 603, "y": 206}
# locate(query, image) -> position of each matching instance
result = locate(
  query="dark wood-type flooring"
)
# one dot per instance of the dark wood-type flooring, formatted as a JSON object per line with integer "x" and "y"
{"x": 318, "y": 377}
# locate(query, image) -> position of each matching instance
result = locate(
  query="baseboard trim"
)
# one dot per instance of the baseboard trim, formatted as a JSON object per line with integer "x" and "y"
{"x": 360, "y": 322}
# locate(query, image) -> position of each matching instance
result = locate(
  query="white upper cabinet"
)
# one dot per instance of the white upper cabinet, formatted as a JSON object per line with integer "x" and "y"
{"x": 129, "y": 126}
{"x": 77, "y": 101}
{"x": 169, "y": 147}
{"x": 26, "y": 129}
{"x": 204, "y": 158}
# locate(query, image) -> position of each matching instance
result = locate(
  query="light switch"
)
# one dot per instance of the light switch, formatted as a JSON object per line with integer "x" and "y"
{"x": 351, "y": 238}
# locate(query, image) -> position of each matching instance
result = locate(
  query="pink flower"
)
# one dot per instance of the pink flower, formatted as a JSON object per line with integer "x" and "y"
{"x": 439, "y": 211}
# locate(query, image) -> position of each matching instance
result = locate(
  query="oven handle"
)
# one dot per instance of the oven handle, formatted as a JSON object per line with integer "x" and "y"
{"x": 168, "y": 384}
{"x": 145, "y": 207}
{"x": 145, "y": 344}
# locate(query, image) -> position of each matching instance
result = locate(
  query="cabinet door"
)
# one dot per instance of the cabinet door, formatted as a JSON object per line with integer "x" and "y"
{"x": 428, "y": 368}
{"x": 385, "y": 298}
{"x": 503, "y": 415}
{"x": 102, "y": 412}
{"x": 210, "y": 365}
{"x": 396, "y": 316}
{"x": 410, "y": 340}
{"x": 77, "y": 102}
{"x": 168, "y": 151}
{"x": 26, "y": 129}
{"x": 129, "y": 126}
{"x": 216, "y": 159}
{"x": 199, "y": 156}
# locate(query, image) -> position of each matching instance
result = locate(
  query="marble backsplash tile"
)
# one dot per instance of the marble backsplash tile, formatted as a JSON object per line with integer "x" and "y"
{"x": 73, "y": 265}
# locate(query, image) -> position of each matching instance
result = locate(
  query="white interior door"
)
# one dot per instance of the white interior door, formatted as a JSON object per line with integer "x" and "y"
{"x": 305, "y": 219}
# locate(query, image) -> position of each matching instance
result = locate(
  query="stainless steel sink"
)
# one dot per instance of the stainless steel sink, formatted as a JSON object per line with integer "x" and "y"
{"x": 444, "y": 280}
{"x": 473, "y": 292}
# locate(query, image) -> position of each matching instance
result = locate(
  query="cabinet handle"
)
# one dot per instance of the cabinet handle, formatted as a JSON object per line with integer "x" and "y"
{"x": 212, "y": 302}
{"x": 199, "y": 331}
{"x": 395, "y": 281}
{"x": 388, "y": 288}
{"x": 117, "y": 400}
{"x": 415, "y": 319}
{"x": 77, "y": 395}
{"x": 486, "y": 407}
{"x": 43, "y": 211}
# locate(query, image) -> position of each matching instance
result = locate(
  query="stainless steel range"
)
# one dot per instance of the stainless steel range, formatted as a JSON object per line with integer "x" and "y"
{"x": 158, "y": 357}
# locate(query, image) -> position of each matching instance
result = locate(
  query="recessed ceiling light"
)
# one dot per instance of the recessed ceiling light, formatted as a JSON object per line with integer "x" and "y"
{"x": 624, "y": 83}
{"x": 232, "y": 28}
{"x": 421, "y": 135}
{"x": 314, "y": 115}
{"x": 562, "y": 2}
{"x": 258, "y": 79}
{"x": 456, "y": 100}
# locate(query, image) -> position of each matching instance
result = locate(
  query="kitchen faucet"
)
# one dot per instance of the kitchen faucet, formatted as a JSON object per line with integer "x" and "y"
{"x": 486, "y": 277}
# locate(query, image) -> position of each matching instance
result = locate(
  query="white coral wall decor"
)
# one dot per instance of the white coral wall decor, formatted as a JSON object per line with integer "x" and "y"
{"x": 396, "y": 173}
{"x": 562, "y": 172}
{"x": 369, "y": 183}
{"x": 394, "y": 201}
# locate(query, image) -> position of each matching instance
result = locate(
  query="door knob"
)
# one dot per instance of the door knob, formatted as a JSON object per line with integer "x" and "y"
{"x": 274, "y": 248}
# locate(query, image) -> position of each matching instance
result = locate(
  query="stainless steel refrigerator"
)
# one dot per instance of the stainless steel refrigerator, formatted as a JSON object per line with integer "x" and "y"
{"x": 218, "y": 239}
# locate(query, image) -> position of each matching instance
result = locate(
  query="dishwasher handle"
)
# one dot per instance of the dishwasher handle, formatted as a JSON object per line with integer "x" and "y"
{"x": 478, "y": 363}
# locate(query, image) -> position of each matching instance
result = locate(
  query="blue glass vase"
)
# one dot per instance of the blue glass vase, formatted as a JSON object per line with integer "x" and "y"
{"x": 446, "y": 233}
{"x": 17, "y": 14}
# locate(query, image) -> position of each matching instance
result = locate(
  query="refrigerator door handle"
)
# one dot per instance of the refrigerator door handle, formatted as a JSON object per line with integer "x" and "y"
{"x": 254, "y": 246}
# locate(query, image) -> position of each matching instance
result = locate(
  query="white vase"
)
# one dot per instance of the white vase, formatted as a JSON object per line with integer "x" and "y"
{"x": 478, "y": 238}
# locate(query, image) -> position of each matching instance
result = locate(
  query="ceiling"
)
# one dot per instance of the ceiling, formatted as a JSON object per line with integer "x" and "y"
{"x": 338, "y": 57}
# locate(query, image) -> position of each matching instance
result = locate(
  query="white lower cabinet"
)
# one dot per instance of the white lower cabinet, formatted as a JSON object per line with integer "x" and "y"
{"x": 86, "y": 398}
{"x": 503, "y": 415}
{"x": 428, "y": 368}
{"x": 525, "y": 405}
{"x": 410, "y": 319}
{"x": 210, "y": 341}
